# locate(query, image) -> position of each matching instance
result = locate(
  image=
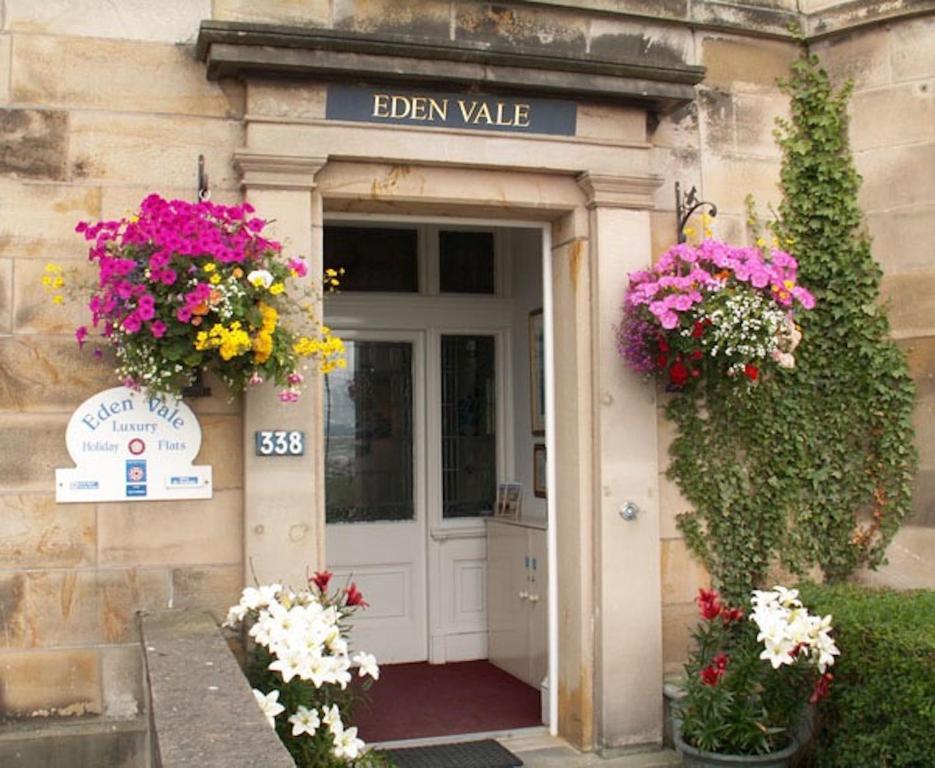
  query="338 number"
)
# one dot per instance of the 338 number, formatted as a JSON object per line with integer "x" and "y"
{"x": 280, "y": 442}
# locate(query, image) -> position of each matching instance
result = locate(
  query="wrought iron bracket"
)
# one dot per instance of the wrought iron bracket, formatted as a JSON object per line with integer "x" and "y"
{"x": 204, "y": 192}
{"x": 685, "y": 205}
{"x": 198, "y": 388}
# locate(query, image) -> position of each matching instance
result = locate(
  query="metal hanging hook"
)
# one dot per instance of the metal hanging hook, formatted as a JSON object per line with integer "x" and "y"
{"x": 686, "y": 205}
{"x": 204, "y": 193}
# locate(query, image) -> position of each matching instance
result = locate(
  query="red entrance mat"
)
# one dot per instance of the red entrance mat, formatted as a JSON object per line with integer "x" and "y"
{"x": 413, "y": 701}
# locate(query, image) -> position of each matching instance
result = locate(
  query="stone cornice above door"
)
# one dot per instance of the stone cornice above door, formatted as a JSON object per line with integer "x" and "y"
{"x": 606, "y": 191}
{"x": 261, "y": 170}
{"x": 234, "y": 49}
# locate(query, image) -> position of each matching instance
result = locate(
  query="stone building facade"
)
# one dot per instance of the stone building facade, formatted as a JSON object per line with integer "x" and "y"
{"x": 102, "y": 103}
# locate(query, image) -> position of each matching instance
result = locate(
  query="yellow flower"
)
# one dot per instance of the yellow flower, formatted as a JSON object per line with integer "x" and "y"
{"x": 214, "y": 279}
{"x": 58, "y": 299}
{"x": 229, "y": 342}
{"x": 209, "y": 267}
{"x": 276, "y": 288}
{"x": 789, "y": 284}
{"x": 262, "y": 347}
{"x": 760, "y": 242}
{"x": 53, "y": 268}
{"x": 269, "y": 317}
{"x": 234, "y": 344}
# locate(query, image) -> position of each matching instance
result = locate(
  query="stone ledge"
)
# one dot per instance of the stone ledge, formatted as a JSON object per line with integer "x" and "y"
{"x": 202, "y": 710}
{"x": 74, "y": 743}
{"x": 232, "y": 49}
{"x": 847, "y": 16}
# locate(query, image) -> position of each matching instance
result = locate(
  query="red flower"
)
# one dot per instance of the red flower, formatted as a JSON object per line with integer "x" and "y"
{"x": 696, "y": 354}
{"x": 730, "y": 615}
{"x": 708, "y": 603}
{"x": 321, "y": 579}
{"x": 663, "y": 345}
{"x": 354, "y": 597}
{"x": 710, "y": 676}
{"x": 822, "y": 686}
{"x": 751, "y": 371}
{"x": 678, "y": 373}
{"x": 697, "y": 330}
{"x": 662, "y": 360}
{"x": 713, "y": 673}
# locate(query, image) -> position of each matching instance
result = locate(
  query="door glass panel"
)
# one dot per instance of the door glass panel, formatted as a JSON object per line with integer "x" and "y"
{"x": 469, "y": 415}
{"x": 373, "y": 258}
{"x": 368, "y": 434}
{"x": 465, "y": 262}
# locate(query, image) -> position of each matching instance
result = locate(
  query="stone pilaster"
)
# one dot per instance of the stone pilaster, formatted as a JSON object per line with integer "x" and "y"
{"x": 284, "y": 514}
{"x": 628, "y": 631}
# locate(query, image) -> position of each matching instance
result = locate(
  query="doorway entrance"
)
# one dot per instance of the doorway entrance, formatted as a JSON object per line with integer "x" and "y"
{"x": 430, "y": 416}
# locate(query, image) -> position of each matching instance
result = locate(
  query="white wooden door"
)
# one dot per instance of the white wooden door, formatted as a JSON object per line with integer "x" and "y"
{"x": 375, "y": 489}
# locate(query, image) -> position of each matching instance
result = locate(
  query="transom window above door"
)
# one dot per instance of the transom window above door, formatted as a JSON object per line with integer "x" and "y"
{"x": 428, "y": 260}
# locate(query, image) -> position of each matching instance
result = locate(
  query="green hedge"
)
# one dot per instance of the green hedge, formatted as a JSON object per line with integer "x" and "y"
{"x": 881, "y": 711}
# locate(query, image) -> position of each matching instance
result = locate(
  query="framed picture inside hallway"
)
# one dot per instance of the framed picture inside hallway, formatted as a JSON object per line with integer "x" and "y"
{"x": 537, "y": 372}
{"x": 509, "y": 500}
{"x": 538, "y": 470}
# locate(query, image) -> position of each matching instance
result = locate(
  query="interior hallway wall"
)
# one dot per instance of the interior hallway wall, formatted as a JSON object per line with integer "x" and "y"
{"x": 526, "y": 252}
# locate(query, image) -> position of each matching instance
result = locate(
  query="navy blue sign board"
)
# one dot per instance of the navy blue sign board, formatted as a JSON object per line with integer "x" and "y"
{"x": 451, "y": 110}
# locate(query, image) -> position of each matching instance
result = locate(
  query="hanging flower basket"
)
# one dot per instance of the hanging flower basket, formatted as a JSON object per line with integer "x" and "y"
{"x": 185, "y": 287}
{"x": 713, "y": 309}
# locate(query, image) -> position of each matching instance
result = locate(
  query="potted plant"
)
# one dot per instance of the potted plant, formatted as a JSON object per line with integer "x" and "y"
{"x": 750, "y": 678}
{"x": 301, "y": 669}
{"x": 713, "y": 309}
{"x": 184, "y": 287}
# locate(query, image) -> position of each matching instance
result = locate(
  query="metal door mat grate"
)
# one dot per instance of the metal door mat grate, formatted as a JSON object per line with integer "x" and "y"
{"x": 466, "y": 754}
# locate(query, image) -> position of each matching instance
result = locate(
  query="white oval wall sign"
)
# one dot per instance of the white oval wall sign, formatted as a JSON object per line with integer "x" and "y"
{"x": 129, "y": 446}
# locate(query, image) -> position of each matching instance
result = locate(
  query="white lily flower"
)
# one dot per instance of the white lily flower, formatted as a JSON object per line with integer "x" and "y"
{"x": 235, "y": 616}
{"x": 288, "y": 665}
{"x": 347, "y": 745}
{"x": 305, "y": 721}
{"x": 269, "y": 705}
{"x": 367, "y": 665}
{"x": 332, "y": 718}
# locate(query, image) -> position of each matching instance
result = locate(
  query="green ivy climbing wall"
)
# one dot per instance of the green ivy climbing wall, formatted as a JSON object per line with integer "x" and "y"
{"x": 813, "y": 467}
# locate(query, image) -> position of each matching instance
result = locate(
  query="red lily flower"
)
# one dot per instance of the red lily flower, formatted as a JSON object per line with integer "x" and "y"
{"x": 321, "y": 579}
{"x": 354, "y": 597}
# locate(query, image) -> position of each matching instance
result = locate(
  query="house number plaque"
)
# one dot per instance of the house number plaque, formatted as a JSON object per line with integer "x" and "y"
{"x": 280, "y": 442}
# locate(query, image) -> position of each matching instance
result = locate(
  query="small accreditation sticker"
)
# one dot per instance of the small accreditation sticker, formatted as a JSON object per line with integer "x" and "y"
{"x": 278, "y": 442}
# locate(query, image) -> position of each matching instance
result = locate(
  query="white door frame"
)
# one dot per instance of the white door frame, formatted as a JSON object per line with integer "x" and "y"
{"x": 547, "y": 321}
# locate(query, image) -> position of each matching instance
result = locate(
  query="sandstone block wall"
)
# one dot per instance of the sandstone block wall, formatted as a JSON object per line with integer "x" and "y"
{"x": 102, "y": 102}
{"x": 893, "y": 138}
{"x": 99, "y": 105}
{"x": 723, "y": 143}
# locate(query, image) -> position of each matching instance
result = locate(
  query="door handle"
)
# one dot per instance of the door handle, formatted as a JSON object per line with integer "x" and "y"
{"x": 524, "y": 596}
{"x": 534, "y": 598}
